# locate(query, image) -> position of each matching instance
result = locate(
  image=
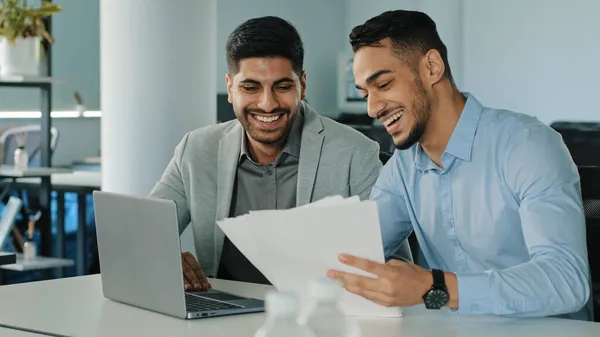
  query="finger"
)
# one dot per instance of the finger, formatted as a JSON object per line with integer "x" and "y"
{"x": 356, "y": 281}
{"x": 200, "y": 279}
{"x": 189, "y": 276}
{"x": 373, "y": 296}
{"x": 364, "y": 264}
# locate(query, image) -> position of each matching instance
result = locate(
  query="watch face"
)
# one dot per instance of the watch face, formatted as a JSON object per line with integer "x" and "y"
{"x": 436, "y": 299}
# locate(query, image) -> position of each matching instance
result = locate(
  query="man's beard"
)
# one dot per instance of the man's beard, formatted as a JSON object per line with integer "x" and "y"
{"x": 267, "y": 137}
{"x": 421, "y": 108}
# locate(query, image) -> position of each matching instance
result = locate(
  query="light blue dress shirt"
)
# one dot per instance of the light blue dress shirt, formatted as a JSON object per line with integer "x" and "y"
{"x": 504, "y": 214}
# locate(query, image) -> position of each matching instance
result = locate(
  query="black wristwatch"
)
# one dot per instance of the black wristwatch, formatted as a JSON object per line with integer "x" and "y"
{"x": 437, "y": 297}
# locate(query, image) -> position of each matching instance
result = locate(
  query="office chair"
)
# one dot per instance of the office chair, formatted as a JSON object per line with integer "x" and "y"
{"x": 33, "y": 142}
{"x": 32, "y": 146}
{"x": 590, "y": 191}
{"x": 582, "y": 139}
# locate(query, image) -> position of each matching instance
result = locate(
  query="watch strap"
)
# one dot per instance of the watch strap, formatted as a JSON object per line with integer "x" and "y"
{"x": 439, "y": 280}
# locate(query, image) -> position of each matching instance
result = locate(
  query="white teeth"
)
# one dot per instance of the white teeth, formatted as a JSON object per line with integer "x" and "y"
{"x": 393, "y": 118}
{"x": 267, "y": 119}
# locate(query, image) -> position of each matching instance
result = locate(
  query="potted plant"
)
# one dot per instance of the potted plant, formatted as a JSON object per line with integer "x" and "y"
{"x": 21, "y": 30}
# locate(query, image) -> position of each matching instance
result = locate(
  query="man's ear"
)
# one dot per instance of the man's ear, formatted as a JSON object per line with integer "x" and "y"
{"x": 434, "y": 67}
{"x": 229, "y": 81}
{"x": 303, "y": 85}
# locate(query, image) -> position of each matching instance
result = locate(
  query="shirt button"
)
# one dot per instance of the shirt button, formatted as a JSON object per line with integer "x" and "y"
{"x": 269, "y": 172}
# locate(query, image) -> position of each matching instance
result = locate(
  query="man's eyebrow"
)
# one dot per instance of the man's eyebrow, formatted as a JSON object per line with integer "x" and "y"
{"x": 249, "y": 81}
{"x": 283, "y": 80}
{"x": 279, "y": 81}
{"x": 374, "y": 76}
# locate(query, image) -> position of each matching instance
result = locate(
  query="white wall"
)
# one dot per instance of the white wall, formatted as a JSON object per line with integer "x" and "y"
{"x": 320, "y": 24}
{"x": 359, "y": 11}
{"x": 447, "y": 15}
{"x": 539, "y": 57}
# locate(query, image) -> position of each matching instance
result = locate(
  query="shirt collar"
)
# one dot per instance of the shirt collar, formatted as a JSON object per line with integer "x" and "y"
{"x": 292, "y": 144}
{"x": 461, "y": 141}
{"x": 460, "y": 144}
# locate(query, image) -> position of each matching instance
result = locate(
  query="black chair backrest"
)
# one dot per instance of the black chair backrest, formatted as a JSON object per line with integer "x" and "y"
{"x": 590, "y": 191}
{"x": 384, "y": 156}
{"x": 582, "y": 139}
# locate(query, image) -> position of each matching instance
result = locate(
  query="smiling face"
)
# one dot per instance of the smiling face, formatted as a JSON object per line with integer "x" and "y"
{"x": 266, "y": 95}
{"x": 394, "y": 92}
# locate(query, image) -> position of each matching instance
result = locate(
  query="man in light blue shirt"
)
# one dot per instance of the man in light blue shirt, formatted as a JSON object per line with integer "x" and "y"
{"x": 493, "y": 196}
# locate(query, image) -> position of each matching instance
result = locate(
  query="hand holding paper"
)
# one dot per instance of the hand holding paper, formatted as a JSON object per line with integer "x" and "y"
{"x": 293, "y": 247}
{"x": 397, "y": 283}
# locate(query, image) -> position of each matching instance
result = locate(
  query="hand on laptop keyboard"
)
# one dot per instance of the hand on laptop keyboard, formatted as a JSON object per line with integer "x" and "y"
{"x": 193, "y": 275}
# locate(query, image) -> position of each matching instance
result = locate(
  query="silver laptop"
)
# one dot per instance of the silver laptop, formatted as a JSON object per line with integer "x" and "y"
{"x": 140, "y": 260}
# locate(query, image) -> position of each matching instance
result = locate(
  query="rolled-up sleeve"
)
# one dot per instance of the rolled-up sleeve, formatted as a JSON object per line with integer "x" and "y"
{"x": 539, "y": 170}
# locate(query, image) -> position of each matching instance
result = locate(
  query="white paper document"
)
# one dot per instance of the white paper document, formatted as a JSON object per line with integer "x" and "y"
{"x": 296, "y": 246}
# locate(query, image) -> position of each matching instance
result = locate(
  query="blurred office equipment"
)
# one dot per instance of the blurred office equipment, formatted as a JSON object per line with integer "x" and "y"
{"x": 349, "y": 99}
{"x": 590, "y": 190}
{"x": 224, "y": 109}
{"x": 33, "y": 143}
{"x": 33, "y": 136}
{"x": 583, "y": 141}
{"x": 44, "y": 84}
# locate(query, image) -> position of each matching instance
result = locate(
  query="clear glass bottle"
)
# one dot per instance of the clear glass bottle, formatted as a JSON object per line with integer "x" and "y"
{"x": 21, "y": 159}
{"x": 282, "y": 310}
{"x": 324, "y": 316}
{"x": 30, "y": 246}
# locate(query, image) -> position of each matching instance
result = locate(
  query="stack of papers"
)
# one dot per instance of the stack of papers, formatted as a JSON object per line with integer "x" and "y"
{"x": 296, "y": 246}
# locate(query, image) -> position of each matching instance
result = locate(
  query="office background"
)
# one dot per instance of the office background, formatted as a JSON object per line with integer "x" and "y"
{"x": 534, "y": 56}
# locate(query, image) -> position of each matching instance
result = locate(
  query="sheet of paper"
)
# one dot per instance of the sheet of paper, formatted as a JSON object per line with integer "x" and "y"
{"x": 238, "y": 231}
{"x": 293, "y": 247}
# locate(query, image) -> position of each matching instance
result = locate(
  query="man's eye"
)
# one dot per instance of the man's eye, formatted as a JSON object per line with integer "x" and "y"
{"x": 384, "y": 85}
{"x": 284, "y": 87}
{"x": 250, "y": 89}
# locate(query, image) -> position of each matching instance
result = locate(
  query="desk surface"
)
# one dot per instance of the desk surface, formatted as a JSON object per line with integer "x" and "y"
{"x": 85, "y": 312}
{"x": 7, "y": 258}
{"x": 39, "y": 263}
{"x": 84, "y": 179}
{"x": 10, "y": 171}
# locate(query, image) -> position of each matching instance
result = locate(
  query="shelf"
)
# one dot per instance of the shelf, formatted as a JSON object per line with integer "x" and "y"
{"x": 38, "y": 263}
{"x": 9, "y": 171}
{"x": 26, "y": 81}
{"x": 7, "y": 258}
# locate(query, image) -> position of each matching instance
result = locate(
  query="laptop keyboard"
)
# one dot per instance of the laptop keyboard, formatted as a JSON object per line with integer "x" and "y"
{"x": 195, "y": 303}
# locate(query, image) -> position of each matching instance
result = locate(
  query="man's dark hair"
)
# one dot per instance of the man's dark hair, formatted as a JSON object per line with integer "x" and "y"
{"x": 412, "y": 34}
{"x": 267, "y": 36}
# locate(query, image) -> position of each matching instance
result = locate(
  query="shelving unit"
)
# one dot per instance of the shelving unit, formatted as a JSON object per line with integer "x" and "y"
{"x": 44, "y": 84}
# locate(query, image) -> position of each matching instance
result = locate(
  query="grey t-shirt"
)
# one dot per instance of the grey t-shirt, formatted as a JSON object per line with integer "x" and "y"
{"x": 261, "y": 187}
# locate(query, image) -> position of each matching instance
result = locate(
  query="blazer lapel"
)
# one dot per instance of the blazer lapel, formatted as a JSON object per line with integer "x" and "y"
{"x": 229, "y": 152}
{"x": 310, "y": 155}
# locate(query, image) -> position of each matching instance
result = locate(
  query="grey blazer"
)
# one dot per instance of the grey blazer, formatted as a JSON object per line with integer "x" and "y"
{"x": 334, "y": 160}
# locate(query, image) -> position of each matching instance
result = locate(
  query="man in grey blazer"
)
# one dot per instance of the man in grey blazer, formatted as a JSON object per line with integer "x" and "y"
{"x": 279, "y": 153}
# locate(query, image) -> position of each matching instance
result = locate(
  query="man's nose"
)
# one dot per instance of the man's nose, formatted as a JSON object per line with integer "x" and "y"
{"x": 268, "y": 101}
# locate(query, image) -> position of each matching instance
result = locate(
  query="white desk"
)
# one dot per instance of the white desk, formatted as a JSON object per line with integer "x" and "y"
{"x": 76, "y": 307}
{"x": 39, "y": 263}
{"x": 69, "y": 180}
{"x": 9, "y": 171}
